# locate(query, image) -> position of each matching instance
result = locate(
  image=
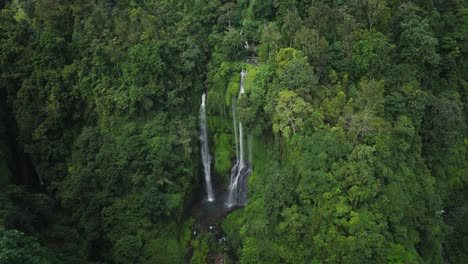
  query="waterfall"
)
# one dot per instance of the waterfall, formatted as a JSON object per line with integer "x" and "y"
{"x": 237, "y": 190}
{"x": 205, "y": 154}
{"x": 241, "y": 88}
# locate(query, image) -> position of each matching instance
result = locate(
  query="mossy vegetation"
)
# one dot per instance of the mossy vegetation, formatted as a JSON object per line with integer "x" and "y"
{"x": 223, "y": 153}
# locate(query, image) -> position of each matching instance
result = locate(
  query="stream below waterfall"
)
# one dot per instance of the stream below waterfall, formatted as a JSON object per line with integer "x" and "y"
{"x": 208, "y": 217}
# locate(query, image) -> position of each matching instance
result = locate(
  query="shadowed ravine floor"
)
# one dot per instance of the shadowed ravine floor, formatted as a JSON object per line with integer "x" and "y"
{"x": 208, "y": 217}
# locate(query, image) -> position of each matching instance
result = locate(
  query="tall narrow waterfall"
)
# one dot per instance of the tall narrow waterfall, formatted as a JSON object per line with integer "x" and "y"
{"x": 237, "y": 190}
{"x": 205, "y": 154}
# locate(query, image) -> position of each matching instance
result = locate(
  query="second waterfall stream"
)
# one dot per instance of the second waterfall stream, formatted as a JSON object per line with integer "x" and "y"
{"x": 205, "y": 154}
{"x": 237, "y": 190}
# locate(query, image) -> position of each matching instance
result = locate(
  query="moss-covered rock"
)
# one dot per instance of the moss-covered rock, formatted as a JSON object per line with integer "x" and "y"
{"x": 222, "y": 154}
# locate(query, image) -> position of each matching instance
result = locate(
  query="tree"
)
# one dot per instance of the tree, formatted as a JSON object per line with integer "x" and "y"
{"x": 394, "y": 105}
{"x": 314, "y": 47}
{"x": 334, "y": 108}
{"x": 416, "y": 43}
{"x": 360, "y": 175}
{"x": 16, "y": 247}
{"x": 372, "y": 54}
{"x": 443, "y": 124}
{"x": 398, "y": 254}
{"x": 457, "y": 245}
{"x": 228, "y": 13}
{"x": 292, "y": 24}
{"x": 127, "y": 249}
{"x": 233, "y": 44}
{"x": 270, "y": 41}
{"x": 291, "y": 113}
{"x": 295, "y": 73}
{"x": 318, "y": 17}
{"x": 370, "y": 108}
{"x": 372, "y": 11}
{"x": 263, "y": 9}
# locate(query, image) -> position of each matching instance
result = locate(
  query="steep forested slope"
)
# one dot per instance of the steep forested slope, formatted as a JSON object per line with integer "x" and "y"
{"x": 356, "y": 111}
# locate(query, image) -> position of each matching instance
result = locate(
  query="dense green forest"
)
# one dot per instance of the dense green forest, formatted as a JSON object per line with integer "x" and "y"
{"x": 356, "y": 111}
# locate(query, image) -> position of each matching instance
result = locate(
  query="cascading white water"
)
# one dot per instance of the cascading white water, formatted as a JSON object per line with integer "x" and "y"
{"x": 241, "y": 88}
{"x": 205, "y": 154}
{"x": 237, "y": 191}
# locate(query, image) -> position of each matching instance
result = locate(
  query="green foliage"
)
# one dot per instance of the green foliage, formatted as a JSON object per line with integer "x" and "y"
{"x": 200, "y": 249}
{"x": 5, "y": 173}
{"x": 233, "y": 45}
{"x": 314, "y": 47}
{"x": 222, "y": 154}
{"x": 334, "y": 108}
{"x": 372, "y": 54}
{"x": 263, "y": 9}
{"x": 127, "y": 249}
{"x": 231, "y": 225}
{"x": 356, "y": 110}
{"x": 249, "y": 107}
{"x": 270, "y": 40}
{"x": 232, "y": 90}
{"x": 290, "y": 113}
{"x": 398, "y": 255}
{"x": 417, "y": 43}
{"x": 457, "y": 218}
{"x": 16, "y": 247}
{"x": 164, "y": 249}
